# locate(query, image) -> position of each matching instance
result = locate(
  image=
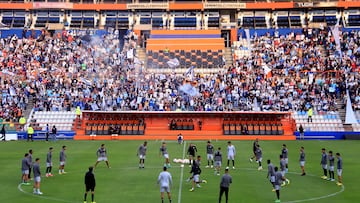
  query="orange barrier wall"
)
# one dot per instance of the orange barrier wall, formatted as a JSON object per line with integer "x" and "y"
{"x": 185, "y": 44}
{"x": 157, "y": 125}
{"x": 185, "y": 32}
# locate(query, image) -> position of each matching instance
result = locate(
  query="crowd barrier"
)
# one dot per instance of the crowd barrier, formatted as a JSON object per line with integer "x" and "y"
{"x": 41, "y": 135}
{"x": 321, "y": 135}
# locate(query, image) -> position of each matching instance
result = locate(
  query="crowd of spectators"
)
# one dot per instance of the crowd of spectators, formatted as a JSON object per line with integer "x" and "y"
{"x": 61, "y": 71}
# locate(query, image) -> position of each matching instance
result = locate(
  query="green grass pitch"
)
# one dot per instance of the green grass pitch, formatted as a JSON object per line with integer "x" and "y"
{"x": 124, "y": 182}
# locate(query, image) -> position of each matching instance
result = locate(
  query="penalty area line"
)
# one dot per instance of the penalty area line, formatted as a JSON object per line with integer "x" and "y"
{"x": 45, "y": 197}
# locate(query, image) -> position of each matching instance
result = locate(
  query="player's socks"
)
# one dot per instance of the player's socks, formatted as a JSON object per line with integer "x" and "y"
{"x": 170, "y": 200}
{"x": 92, "y": 197}
{"x": 278, "y": 194}
{"x": 85, "y": 195}
{"x": 162, "y": 200}
{"x": 228, "y": 162}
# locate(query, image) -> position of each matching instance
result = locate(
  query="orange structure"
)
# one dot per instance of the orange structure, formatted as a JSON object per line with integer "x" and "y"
{"x": 131, "y": 125}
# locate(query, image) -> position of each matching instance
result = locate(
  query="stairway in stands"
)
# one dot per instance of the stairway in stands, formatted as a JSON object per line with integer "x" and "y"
{"x": 228, "y": 56}
{"x": 141, "y": 54}
{"x": 342, "y": 113}
{"x": 29, "y": 107}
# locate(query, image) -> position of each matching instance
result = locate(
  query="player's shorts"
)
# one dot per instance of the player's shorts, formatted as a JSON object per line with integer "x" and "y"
{"x": 302, "y": 163}
{"x": 210, "y": 157}
{"x": 196, "y": 178}
{"x": 166, "y": 156}
{"x": 142, "y": 156}
{"x": 259, "y": 159}
{"x": 286, "y": 160}
{"x": 49, "y": 164}
{"x": 231, "y": 157}
{"x": 277, "y": 187}
{"x": 25, "y": 172}
{"x": 218, "y": 163}
{"x": 62, "y": 163}
{"x": 90, "y": 188}
{"x": 282, "y": 173}
{"x": 102, "y": 159}
{"x": 165, "y": 189}
{"x": 37, "y": 179}
{"x": 272, "y": 179}
{"x": 339, "y": 172}
{"x": 191, "y": 155}
{"x": 324, "y": 166}
{"x": 331, "y": 168}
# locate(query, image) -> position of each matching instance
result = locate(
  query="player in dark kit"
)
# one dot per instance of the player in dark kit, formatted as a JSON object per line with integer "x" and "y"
{"x": 90, "y": 184}
{"x": 210, "y": 154}
{"x": 255, "y": 144}
{"x": 285, "y": 154}
{"x": 191, "y": 152}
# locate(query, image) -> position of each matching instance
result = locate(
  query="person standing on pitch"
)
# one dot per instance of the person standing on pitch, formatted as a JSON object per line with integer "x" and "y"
{"x": 258, "y": 154}
{"x": 62, "y": 160}
{"x": 30, "y": 157}
{"x": 47, "y": 130}
{"x": 218, "y": 161}
{"x": 142, "y": 154}
{"x": 255, "y": 143}
{"x": 339, "y": 169}
{"x": 302, "y": 161}
{"x": 101, "y": 153}
{"x": 271, "y": 174}
{"x": 165, "y": 154}
{"x": 90, "y": 184}
{"x": 285, "y": 154}
{"x": 226, "y": 180}
{"x": 191, "y": 152}
{"x": 279, "y": 178}
{"x": 331, "y": 166}
{"x": 283, "y": 170}
{"x": 231, "y": 154}
{"x": 37, "y": 177}
{"x": 165, "y": 182}
{"x": 210, "y": 154}
{"x": 25, "y": 166}
{"x": 323, "y": 163}
{"x": 196, "y": 171}
{"x": 49, "y": 163}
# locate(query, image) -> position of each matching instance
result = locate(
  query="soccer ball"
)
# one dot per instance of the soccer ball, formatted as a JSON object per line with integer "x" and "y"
{"x": 182, "y": 165}
{"x": 175, "y": 160}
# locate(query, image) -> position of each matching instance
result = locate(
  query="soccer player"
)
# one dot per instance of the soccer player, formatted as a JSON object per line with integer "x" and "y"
{"x": 323, "y": 163}
{"x": 210, "y": 154}
{"x": 283, "y": 170}
{"x": 101, "y": 153}
{"x": 49, "y": 163}
{"x": 285, "y": 154}
{"x": 231, "y": 154}
{"x": 302, "y": 161}
{"x": 271, "y": 174}
{"x": 331, "y": 166}
{"x": 30, "y": 157}
{"x": 37, "y": 177}
{"x": 339, "y": 169}
{"x": 165, "y": 154}
{"x": 255, "y": 143}
{"x": 279, "y": 178}
{"x": 226, "y": 180}
{"x": 62, "y": 160}
{"x": 142, "y": 154}
{"x": 218, "y": 161}
{"x": 258, "y": 154}
{"x": 165, "y": 182}
{"x": 25, "y": 166}
{"x": 90, "y": 184}
{"x": 180, "y": 138}
{"x": 191, "y": 152}
{"x": 196, "y": 171}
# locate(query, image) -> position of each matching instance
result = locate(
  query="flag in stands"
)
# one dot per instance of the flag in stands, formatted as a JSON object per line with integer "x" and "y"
{"x": 190, "y": 73}
{"x": 173, "y": 63}
{"x": 335, "y": 32}
{"x": 267, "y": 71}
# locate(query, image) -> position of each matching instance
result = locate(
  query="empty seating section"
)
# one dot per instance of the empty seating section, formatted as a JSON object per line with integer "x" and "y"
{"x": 252, "y": 126}
{"x": 199, "y": 48}
{"x": 63, "y": 120}
{"x": 356, "y": 126}
{"x": 182, "y": 124}
{"x": 321, "y": 121}
{"x": 108, "y": 125}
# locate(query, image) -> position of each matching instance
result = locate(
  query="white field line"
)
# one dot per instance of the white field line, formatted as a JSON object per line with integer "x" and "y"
{"x": 181, "y": 175}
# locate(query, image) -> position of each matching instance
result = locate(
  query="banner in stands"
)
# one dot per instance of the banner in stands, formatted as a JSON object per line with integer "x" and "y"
{"x": 223, "y": 5}
{"x": 163, "y": 6}
{"x": 52, "y": 5}
{"x": 350, "y": 116}
{"x": 41, "y": 135}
